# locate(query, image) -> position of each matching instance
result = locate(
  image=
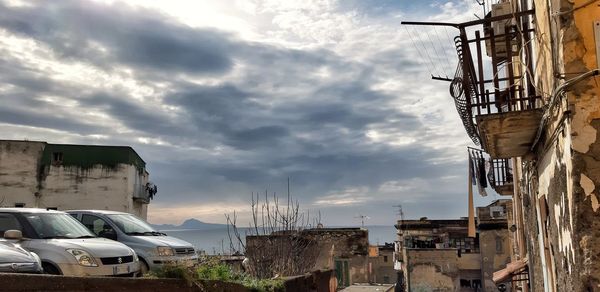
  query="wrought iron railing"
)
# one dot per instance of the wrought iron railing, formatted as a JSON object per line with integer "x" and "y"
{"x": 501, "y": 173}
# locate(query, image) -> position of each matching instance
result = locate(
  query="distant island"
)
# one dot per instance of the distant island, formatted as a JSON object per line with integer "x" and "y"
{"x": 192, "y": 223}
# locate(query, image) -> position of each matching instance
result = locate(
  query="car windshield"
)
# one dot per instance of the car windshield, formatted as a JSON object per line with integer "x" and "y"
{"x": 132, "y": 225}
{"x": 57, "y": 225}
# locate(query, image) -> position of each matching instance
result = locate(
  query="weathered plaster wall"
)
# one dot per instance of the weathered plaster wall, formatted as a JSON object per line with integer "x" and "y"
{"x": 350, "y": 244}
{"x": 19, "y": 172}
{"x": 494, "y": 255}
{"x": 425, "y": 273}
{"x": 68, "y": 187}
{"x": 559, "y": 186}
{"x": 382, "y": 269}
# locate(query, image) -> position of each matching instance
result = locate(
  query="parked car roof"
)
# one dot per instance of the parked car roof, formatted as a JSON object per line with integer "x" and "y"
{"x": 29, "y": 210}
{"x": 109, "y": 212}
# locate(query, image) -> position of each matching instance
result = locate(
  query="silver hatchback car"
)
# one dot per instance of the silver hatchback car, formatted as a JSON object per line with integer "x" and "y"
{"x": 15, "y": 259}
{"x": 154, "y": 248}
{"x": 67, "y": 247}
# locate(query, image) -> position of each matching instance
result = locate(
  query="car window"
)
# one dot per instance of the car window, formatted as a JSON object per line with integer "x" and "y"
{"x": 130, "y": 224}
{"x": 8, "y": 222}
{"x": 96, "y": 224}
{"x": 56, "y": 225}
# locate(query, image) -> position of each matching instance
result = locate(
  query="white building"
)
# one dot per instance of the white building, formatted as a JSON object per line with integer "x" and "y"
{"x": 63, "y": 177}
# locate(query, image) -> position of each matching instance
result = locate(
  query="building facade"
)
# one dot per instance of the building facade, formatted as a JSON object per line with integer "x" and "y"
{"x": 63, "y": 177}
{"x": 527, "y": 91}
{"x": 344, "y": 249}
{"x": 381, "y": 264}
{"x": 438, "y": 255}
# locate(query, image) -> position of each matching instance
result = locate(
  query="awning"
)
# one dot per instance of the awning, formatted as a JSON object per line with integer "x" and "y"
{"x": 511, "y": 269}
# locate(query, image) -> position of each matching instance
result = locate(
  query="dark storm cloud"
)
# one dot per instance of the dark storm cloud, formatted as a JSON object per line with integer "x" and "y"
{"x": 133, "y": 113}
{"x": 46, "y": 120}
{"x": 143, "y": 39}
{"x": 278, "y": 117}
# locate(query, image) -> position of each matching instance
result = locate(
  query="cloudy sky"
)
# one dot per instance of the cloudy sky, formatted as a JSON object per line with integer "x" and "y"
{"x": 225, "y": 98}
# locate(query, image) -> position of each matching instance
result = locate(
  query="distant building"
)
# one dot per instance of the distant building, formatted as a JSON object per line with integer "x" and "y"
{"x": 344, "y": 249}
{"x": 61, "y": 176}
{"x": 437, "y": 255}
{"x": 381, "y": 264}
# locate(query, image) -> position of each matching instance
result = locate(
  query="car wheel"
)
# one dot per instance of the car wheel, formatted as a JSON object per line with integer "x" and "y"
{"x": 50, "y": 269}
{"x": 143, "y": 268}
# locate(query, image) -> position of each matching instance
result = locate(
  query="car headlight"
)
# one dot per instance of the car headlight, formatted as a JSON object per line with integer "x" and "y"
{"x": 165, "y": 251}
{"x": 83, "y": 257}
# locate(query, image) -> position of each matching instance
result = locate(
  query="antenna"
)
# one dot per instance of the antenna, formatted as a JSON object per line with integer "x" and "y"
{"x": 362, "y": 219}
{"x": 399, "y": 212}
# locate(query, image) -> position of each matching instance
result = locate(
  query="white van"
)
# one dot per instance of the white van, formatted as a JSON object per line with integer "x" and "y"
{"x": 154, "y": 248}
{"x": 65, "y": 246}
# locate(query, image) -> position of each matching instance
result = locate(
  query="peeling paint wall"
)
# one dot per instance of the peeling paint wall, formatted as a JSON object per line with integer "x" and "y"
{"x": 559, "y": 182}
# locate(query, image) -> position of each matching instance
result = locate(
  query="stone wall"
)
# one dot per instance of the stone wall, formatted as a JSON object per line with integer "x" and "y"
{"x": 317, "y": 281}
{"x": 326, "y": 245}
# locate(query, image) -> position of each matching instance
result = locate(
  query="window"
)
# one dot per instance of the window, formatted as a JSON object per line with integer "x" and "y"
{"x": 8, "y": 222}
{"x": 56, "y": 225}
{"x": 57, "y": 158}
{"x": 499, "y": 248}
{"x": 19, "y": 205}
{"x": 465, "y": 283}
{"x": 96, "y": 224}
{"x": 385, "y": 259}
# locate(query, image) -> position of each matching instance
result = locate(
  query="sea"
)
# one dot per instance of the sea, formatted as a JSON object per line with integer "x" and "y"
{"x": 216, "y": 241}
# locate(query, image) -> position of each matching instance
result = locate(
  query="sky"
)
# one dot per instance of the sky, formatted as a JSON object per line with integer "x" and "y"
{"x": 227, "y": 98}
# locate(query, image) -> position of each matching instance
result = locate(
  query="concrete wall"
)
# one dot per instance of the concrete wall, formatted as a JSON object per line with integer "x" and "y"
{"x": 317, "y": 281}
{"x": 348, "y": 244}
{"x": 494, "y": 246}
{"x": 380, "y": 269}
{"x": 24, "y": 282}
{"x": 432, "y": 269}
{"x": 19, "y": 169}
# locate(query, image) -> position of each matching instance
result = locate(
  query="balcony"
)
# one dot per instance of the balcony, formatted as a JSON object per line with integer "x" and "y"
{"x": 501, "y": 97}
{"x": 501, "y": 176}
{"x": 493, "y": 84}
{"x": 144, "y": 193}
{"x": 497, "y": 171}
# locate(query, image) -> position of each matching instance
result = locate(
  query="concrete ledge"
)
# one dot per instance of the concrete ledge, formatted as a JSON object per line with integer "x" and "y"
{"x": 319, "y": 281}
{"x": 26, "y": 282}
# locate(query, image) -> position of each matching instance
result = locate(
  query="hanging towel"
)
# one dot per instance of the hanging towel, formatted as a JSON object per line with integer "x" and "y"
{"x": 471, "y": 231}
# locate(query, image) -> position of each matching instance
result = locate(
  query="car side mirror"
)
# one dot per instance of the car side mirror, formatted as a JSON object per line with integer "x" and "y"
{"x": 13, "y": 234}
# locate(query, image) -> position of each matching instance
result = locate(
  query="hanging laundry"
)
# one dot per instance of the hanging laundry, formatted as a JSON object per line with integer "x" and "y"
{"x": 471, "y": 207}
{"x": 472, "y": 172}
{"x": 490, "y": 172}
{"x": 482, "y": 172}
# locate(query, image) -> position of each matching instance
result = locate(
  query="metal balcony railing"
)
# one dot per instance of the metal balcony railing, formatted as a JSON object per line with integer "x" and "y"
{"x": 499, "y": 172}
{"x": 506, "y": 85}
{"x": 495, "y": 66}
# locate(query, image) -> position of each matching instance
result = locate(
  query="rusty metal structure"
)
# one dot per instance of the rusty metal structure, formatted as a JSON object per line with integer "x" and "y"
{"x": 499, "y": 172}
{"x": 479, "y": 89}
